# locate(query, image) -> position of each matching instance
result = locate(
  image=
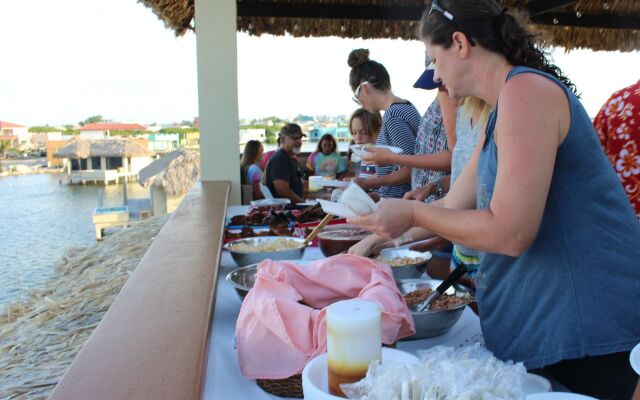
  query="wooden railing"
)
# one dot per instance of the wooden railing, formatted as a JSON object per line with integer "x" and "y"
{"x": 152, "y": 342}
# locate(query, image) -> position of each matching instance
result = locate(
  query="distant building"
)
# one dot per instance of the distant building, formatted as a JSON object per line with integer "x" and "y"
{"x": 163, "y": 142}
{"x": 102, "y": 130}
{"x": 104, "y": 160}
{"x": 16, "y": 134}
{"x": 252, "y": 134}
{"x": 340, "y": 133}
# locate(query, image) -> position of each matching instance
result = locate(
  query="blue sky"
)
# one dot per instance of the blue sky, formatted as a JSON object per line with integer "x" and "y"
{"x": 76, "y": 58}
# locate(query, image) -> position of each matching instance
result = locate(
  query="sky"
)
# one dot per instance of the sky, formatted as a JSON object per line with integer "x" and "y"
{"x": 72, "y": 59}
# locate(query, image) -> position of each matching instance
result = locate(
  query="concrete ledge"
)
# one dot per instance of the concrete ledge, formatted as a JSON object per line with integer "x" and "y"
{"x": 151, "y": 344}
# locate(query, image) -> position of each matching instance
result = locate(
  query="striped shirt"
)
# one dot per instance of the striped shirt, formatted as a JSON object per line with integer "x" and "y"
{"x": 399, "y": 126}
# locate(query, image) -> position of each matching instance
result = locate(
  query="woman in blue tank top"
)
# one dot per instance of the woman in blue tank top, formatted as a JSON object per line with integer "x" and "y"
{"x": 560, "y": 245}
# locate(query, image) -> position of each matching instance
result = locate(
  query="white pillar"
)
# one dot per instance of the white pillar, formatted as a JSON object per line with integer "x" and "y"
{"x": 216, "y": 43}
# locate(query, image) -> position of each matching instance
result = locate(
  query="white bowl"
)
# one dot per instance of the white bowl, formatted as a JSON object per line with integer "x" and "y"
{"x": 532, "y": 384}
{"x": 315, "y": 383}
{"x": 634, "y": 358}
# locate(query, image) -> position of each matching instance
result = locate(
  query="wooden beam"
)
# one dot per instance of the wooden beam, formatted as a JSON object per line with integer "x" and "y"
{"x": 537, "y": 7}
{"x": 252, "y": 8}
{"x": 588, "y": 21}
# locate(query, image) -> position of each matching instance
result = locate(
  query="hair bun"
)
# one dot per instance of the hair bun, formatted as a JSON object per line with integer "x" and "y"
{"x": 358, "y": 57}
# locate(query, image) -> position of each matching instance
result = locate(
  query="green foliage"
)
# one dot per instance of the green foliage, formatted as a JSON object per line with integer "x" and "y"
{"x": 178, "y": 130}
{"x": 92, "y": 120}
{"x": 70, "y": 130}
{"x": 43, "y": 129}
{"x": 4, "y": 145}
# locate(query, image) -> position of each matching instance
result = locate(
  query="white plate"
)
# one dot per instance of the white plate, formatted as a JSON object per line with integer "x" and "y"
{"x": 361, "y": 149}
{"x": 339, "y": 209}
{"x": 315, "y": 383}
{"x": 270, "y": 202}
{"x": 532, "y": 384}
{"x": 331, "y": 183}
{"x": 634, "y": 358}
{"x": 558, "y": 396}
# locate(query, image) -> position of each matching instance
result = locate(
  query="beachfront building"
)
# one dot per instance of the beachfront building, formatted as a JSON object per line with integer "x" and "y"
{"x": 258, "y": 134}
{"x": 104, "y": 160}
{"x": 340, "y": 133}
{"x": 15, "y": 134}
{"x": 170, "y": 178}
{"x": 163, "y": 142}
{"x": 153, "y": 343}
{"x": 101, "y": 130}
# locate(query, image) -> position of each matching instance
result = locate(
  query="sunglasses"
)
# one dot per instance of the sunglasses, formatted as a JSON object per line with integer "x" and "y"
{"x": 356, "y": 93}
{"x": 435, "y": 6}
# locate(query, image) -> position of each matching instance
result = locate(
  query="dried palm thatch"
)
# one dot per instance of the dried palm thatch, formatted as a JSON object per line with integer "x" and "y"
{"x": 40, "y": 337}
{"x": 175, "y": 172}
{"x": 558, "y": 25}
{"x": 114, "y": 147}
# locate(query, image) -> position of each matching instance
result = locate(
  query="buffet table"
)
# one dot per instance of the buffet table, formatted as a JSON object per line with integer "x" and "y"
{"x": 223, "y": 378}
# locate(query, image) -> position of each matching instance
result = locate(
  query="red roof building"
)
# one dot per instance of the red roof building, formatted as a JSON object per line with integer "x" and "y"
{"x": 108, "y": 126}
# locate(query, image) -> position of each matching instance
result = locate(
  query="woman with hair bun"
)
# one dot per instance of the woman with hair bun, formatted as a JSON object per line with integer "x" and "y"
{"x": 371, "y": 87}
{"x": 558, "y": 239}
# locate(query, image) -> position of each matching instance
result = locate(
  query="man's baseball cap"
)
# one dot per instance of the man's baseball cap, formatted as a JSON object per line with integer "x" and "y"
{"x": 292, "y": 130}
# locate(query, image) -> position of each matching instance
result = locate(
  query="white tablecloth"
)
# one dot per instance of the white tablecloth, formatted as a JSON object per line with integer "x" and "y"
{"x": 223, "y": 378}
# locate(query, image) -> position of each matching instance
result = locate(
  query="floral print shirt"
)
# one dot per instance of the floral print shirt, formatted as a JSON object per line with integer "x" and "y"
{"x": 618, "y": 127}
{"x": 431, "y": 139}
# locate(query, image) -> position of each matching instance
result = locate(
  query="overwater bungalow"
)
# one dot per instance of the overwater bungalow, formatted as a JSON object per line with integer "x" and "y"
{"x": 164, "y": 337}
{"x": 170, "y": 178}
{"x": 104, "y": 160}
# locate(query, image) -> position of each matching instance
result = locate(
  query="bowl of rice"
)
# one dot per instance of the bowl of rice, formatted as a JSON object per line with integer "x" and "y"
{"x": 404, "y": 263}
{"x": 253, "y": 250}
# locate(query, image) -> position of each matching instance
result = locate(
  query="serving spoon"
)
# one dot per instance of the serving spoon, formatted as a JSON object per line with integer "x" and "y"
{"x": 317, "y": 229}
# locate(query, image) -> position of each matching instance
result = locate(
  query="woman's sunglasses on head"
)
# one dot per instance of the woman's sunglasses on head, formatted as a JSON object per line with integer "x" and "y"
{"x": 435, "y": 6}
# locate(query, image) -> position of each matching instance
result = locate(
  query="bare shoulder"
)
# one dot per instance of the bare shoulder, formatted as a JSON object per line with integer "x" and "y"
{"x": 534, "y": 103}
{"x": 532, "y": 88}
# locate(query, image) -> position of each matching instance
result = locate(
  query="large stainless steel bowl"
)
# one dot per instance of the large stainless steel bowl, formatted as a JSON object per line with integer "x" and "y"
{"x": 243, "y": 258}
{"x": 243, "y": 278}
{"x": 407, "y": 271}
{"x": 434, "y": 322}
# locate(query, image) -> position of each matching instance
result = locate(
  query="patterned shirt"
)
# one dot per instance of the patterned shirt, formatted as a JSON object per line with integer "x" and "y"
{"x": 431, "y": 139}
{"x": 618, "y": 127}
{"x": 399, "y": 126}
{"x": 326, "y": 165}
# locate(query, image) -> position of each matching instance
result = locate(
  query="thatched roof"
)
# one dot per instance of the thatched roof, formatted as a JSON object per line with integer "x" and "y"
{"x": 112, "y": 147}
{"x": 175, "y": 172}
{"x": 594, "y": 24}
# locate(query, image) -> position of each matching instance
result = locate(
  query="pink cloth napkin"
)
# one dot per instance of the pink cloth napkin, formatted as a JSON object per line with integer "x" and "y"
{"x": 277, "y": 335}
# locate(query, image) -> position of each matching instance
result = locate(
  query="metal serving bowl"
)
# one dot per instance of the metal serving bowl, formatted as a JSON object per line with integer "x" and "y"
{"x": 408, "y": 271}
{"x": 434, "y": 322}
{"x": 243, "y": 258}
{"x": 242, "y": 279}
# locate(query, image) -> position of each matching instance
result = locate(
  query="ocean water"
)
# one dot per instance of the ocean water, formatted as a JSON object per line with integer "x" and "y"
{"x": 40, "y": 218}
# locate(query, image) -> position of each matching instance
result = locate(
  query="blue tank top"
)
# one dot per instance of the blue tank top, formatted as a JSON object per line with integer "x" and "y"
{"x": 575, "y": 291}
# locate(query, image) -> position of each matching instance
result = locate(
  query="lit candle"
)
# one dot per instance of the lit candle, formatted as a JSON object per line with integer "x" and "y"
{"x": 354, "y": 340}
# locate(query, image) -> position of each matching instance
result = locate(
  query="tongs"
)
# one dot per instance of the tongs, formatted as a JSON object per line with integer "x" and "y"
{"x": 451, "y": 279}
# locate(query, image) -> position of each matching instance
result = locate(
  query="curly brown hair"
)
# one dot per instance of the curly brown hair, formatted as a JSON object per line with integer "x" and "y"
{"x": 494, "y": 28}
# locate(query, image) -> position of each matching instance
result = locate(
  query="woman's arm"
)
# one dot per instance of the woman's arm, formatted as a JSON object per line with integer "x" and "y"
{"x": 399, "y": 177}
{"x": 440, "y": 161}
{"x": 449, "y": 109}
{"x": 527, "y": 145}
{"x": 257, "y": 191}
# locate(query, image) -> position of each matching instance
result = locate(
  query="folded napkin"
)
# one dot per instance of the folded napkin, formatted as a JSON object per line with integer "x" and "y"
{"x": 282, "y": 325}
